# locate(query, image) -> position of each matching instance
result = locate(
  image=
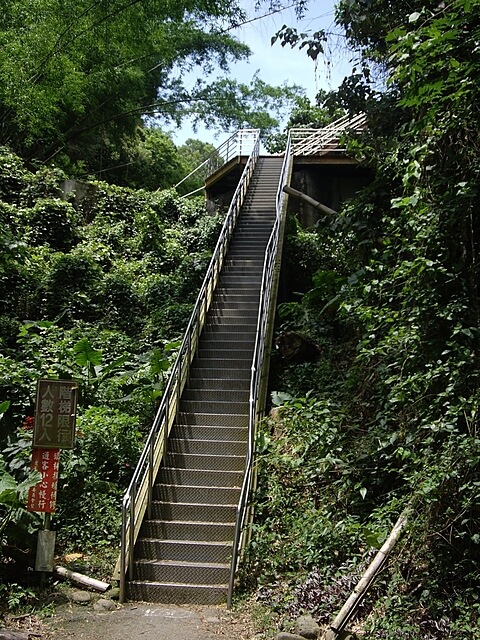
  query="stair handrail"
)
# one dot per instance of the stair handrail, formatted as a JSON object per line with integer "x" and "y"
{"x": 242, "y": 142}
{"x": 258, "y": 362}
{"x": 318, "y": 141}
{"x": 137, "y": 499}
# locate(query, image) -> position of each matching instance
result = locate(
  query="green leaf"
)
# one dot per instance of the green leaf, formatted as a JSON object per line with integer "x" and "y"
{"x": 86, "y": 355}
{"x": 7, "y": 484}
{"x": 4, "y": 407}
{"x": 280, "y": 397}
{"x": 159, "y": 362}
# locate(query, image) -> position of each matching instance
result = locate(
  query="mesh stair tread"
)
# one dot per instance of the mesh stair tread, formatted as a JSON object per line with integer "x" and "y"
{"x": 172, "y": 585}
{"x": 193, "y": 486}
{"x": 198, "y": 522}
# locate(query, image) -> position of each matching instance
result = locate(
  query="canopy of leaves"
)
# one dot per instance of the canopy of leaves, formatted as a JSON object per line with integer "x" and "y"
{"x": 78, "y": 80}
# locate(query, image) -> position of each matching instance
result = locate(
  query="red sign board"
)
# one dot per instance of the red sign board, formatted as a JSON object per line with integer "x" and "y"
{"x": 43, "y": 496}
{"x": 55, "y": 414}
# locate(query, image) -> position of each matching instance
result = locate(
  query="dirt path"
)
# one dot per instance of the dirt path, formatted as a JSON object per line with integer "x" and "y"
{"x": 148, "y": 622}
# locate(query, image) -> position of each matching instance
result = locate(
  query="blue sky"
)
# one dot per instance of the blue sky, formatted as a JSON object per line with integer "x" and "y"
{"x": 277, "y": 65}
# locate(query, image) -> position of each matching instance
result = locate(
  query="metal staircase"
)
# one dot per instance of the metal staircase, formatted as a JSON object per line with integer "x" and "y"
{"x": 184, "y": 514}
{"x": 185, "y": 549}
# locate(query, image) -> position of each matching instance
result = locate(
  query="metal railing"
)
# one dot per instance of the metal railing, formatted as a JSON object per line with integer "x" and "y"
{"x": 258, "y": 363}
{"x": 307, "y": 142}
{"x": 138, "y": 498}
{"x": 241, "y": 143}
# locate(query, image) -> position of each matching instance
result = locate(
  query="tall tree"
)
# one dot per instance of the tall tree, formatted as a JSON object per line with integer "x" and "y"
{"x": 78, "y": 78}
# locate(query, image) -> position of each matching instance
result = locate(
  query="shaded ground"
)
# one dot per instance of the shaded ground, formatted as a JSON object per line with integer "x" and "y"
{"x": 147, "y": 622}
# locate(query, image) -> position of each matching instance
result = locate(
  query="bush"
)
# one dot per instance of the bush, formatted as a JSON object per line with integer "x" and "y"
{"x": 72, "y": 285}
{"x": 94, "y": 476}
{"x": 53, "y": 222}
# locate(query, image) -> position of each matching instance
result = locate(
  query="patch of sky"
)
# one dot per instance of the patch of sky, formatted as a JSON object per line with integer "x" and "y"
{"x": 279, "y": 65}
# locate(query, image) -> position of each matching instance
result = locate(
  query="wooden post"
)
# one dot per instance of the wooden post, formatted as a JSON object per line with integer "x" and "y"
{"x": 310, "y": 201}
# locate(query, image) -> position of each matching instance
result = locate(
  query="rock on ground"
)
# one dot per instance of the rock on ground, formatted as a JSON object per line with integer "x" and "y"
{"x": 307, "y": 627}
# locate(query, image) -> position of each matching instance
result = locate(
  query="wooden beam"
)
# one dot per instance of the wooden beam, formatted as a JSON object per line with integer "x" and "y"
{"x": 310, "y": 201}
{"x": 78, "y": 578}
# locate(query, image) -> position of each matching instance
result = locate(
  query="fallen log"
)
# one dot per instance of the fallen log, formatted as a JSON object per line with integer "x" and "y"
{"x": 351, "y": 605}
{"x": 79, "y": 578}
{"x": 310, "y": 201}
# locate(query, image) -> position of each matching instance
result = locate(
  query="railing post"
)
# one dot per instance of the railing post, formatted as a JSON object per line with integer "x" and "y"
{"x": 165, "y": 426}
{"x": 131, "y": 543}
{"x": 179, "y": 385}
{"x": 150, "y": 477}
{"x": 123, "y": 551}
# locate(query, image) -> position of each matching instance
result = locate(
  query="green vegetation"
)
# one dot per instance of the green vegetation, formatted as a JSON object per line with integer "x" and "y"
{"x": 388, "y": 415}
{"x": 86, "y": 86}
{"x": 96, "y": 289}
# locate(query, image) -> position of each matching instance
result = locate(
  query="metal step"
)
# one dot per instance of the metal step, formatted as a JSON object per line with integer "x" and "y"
{"x": 224, "y": 331}
{"x": 170, "y": 593}
{"x": 213, "y": 373}
{"x": 214, "y": 406}
{"x": 233, "y": 264}
{"x": 222, "y": 311}
{"x": 200, "y": 477}
{"x": 223, "y": 296}
{"x": 227, "y": 341}
{"x": 232, "y": 351}
{"x": 214, "y": 419}
{"x": 196, "y": 493}
{"x": 184, "y": 530}
{"x": 216, "y": 395}
{"x": 211, "y": 432}
{"x": 207, "y": 462}
{"x": 183, "y": 550}
{"x": 210, "y": 447}
{"x": 243, "y": 264}
{"x": 223, "y": 363}
{"x": 181, "y": 572}
{"x": 193, "y": 511}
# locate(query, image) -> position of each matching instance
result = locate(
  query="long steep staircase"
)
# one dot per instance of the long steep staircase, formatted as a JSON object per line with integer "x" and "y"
{"x": 183, "y": 550}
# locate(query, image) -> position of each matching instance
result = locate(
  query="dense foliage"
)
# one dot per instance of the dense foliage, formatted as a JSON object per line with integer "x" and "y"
{"x": 388, "y": 416}
{"x": 83, "y": 84}
{"x": 385, "y": 419}
{"x": 96, "y": 285}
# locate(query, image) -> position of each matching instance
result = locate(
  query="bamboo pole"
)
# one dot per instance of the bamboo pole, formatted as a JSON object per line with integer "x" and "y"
{"x": 351, "y": 605}
{"x": 310, "y": 201}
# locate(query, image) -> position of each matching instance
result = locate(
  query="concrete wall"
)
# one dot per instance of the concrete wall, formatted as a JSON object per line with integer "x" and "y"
{"x": 330, "y": 184}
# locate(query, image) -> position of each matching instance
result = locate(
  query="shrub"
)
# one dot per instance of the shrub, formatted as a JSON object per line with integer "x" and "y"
{"x": 94, "y": 476}
{"x": 52, "y": 221}
{"x": 72, "y": 285}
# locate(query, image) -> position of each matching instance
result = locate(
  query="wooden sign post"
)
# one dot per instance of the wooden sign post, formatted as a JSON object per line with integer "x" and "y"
{"x": 54, "y": 429}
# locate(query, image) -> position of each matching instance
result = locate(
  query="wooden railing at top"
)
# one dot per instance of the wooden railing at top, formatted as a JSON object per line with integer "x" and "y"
{"x": 241, "y": 143}
{"x": 138, "y": 498}
{"x": 266, "y": 312}
{"x": 311, "y": 142}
